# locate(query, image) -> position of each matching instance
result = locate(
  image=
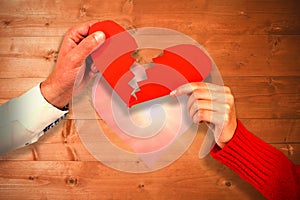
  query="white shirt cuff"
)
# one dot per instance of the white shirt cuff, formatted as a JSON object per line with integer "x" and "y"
{"x": 33, "y": 111}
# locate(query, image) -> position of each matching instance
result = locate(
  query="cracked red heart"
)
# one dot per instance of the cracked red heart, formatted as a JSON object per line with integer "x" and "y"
{"x": 114, "y": 60}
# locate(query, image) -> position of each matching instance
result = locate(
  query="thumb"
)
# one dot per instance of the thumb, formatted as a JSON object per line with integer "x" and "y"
{"x": 88, "y": 45}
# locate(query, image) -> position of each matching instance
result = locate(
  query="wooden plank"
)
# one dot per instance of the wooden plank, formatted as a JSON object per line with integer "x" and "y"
{"x": 184, "y": 17}
{"x": 229, "y": 24}
{"x": 48, "y": 7}
{"x": 48, "y": 27}
{"x": 273, "y": 99}
{"x": 256, "y": 97}
{"x": 29, "y": 47}
{"x": 10, "y": 88}
{"x": 64, "y": 9}
{"x": 274, "y": 130}
{"x": 50, "y": 18}
{"x": 63, "y": 142}
{"x": 269, "y": 130}
{"x": 14, "y": 67}
{"x": 77, "y": 152}
{"x": 217, "y": 6}
{"x": 274, "y": 106}
{"x": 233, "y": 24}
{"x": 254, "y": 56}
{"x": 50, "y": 179}
{"x": 234, "y": 55}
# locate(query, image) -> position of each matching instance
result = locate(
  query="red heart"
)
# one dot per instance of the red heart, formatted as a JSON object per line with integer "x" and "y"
{"x": 178, "y": 65}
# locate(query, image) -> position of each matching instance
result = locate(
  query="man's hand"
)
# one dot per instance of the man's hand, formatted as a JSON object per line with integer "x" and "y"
{"x": 213, "y": 104}
{"x": 58, "y": 87}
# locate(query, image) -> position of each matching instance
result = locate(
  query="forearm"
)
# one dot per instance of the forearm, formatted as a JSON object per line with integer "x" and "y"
{"x": 260, "y": 164}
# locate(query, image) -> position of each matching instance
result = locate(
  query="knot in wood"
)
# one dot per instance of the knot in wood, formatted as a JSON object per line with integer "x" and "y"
{"x": 72, "y": 181}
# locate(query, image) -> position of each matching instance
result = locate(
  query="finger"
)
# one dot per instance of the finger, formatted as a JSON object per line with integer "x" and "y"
{"x": 187, "y": 88}
{"x": 199, "y": 105}
{"x": 217, "y": 88}
{"x": 206, "y": 94}
{"x": 77, "y": 33}
{"x": 73, "y": 36}
{"x": 199, "y": 94}
{"x": 208, "y": 105}
{"x": 202, "y": 115}
{"x": 85, "y": 81}
{"x": 94, "y": 68}
{"x": 92, "y": 74}
{"x": 208, "y": 116}
{"x": 80, "y": 75}
{"x": 86, "y": 47}
{"x": 93, "y": 71}
{"x": 191, "y": 87}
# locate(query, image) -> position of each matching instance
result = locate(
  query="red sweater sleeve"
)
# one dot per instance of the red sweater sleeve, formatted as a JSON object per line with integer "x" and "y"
{"x": 260, "y": 164}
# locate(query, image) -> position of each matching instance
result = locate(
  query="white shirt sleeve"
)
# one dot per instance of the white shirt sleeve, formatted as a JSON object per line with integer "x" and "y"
{"x": 23, "y": 119}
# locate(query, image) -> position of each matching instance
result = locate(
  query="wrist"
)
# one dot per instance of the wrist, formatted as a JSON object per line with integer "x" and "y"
{"x": 227, "y": 134}
{"x": 54, "y": 94}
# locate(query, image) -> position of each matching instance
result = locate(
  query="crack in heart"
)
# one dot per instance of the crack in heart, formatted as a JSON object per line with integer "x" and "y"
{"x": 139, "y": 75}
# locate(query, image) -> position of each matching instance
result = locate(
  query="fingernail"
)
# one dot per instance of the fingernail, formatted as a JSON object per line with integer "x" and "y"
{"x": 99, "y": 36}
{"x": 94, "y": 68}
{"x": 173, "y": 93}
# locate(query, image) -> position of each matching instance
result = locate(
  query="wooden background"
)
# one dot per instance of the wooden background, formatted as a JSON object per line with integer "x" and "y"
{"x": 255, "y": 44}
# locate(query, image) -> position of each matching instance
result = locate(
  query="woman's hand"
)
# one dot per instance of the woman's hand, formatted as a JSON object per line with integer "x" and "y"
{"x": 212, "y": 104}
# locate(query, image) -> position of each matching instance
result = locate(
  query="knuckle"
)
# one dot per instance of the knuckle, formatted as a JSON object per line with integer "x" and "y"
{"x": 199, "y": 84}
{"x": 200, "y": 114}
{"x": 72, "y": 59}
{"x": 196, "y": 118}
{"x": 192, "y": 87}
{"x": 196, "y": 106}
{"x": 230, "y": 99}
{"x": 75, "y": 60}
{"x": 196, "y": 86}
{"x": 227, "y": 108}
{"x": 196, "y": 94}
{"x": 189, "y": 103}
{"x": 226, "y": 119}
{"x": 227, "y": 89}
{"x": 70, "y": 31}
{"x": 192, "y": 98}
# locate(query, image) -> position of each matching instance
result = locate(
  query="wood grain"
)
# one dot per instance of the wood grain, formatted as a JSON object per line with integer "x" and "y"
{"x": 63, "y": 143}
{"x": 255, "y": 45}
{"x": 278, "y": 97}
{"x": 271, "y": 56}
{"x": 220, "y": 18}
{"x": 69, "y": 180}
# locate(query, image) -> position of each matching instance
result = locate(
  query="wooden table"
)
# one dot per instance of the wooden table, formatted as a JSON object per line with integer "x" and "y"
{"x": 255, "y": 44}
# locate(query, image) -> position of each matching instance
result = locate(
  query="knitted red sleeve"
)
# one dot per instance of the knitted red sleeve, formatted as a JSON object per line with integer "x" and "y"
{"x": 260, "y": 164}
